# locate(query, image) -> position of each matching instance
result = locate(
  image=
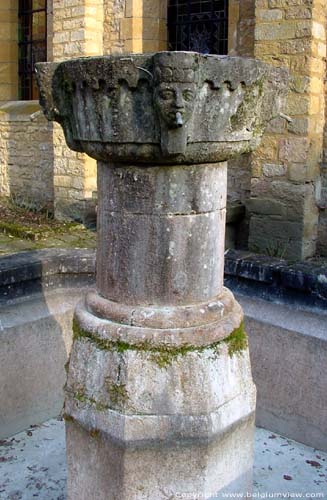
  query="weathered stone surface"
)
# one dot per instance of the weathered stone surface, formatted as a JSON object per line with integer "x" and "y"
{"x": 26, "y": 173}
{"x": 279, "y": 372}
{"x": 169, "y": 407}
{"x": 273, "y": 170}
{"x": 38, "y": 293}
{"x": 35, "y": 341}
{"x": 154, "y": 327}
{"x": 159, "y": 372}
{"x": 158, "y": 471}
{"x": 26, "y": 273}
{"x": 303, "y": 284}
{"x": 165, "y": 96}
{"x": 169, "y": 227}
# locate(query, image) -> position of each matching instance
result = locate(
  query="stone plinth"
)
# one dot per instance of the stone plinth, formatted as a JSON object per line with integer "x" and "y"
{"x": 159, "y": 399}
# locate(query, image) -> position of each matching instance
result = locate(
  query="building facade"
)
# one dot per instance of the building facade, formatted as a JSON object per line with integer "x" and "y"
{"x": 283, "y": 185}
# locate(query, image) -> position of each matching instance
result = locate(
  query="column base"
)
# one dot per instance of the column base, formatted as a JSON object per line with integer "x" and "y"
{"x": 154, "y": 416}
{"x": 99, "y": 468}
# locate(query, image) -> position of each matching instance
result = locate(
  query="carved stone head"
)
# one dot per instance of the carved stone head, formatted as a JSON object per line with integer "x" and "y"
{"x": 176, "y": 86}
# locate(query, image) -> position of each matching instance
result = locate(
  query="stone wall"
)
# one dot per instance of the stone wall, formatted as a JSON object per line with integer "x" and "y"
{"x": 241, "y": 21}
{"x": 85, "y": 28}
{"x": 240, "y": 43}
{"x": 282, "y": 179}
{"x": 285, "y": 170}
{"x": 134, "y": 26}
{"x": 322, "y": 197}
{"x": 77, "y": 31}
{"x": 144, "y": 26}
{"x": 26, "y": 157}
{"x": 75, "y": 28}
{"x": 114, "y": 12}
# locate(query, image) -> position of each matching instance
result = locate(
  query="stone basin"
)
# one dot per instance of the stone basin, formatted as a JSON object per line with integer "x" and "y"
{"x": 163, "y": 108}
{"x": 160, "y": 355}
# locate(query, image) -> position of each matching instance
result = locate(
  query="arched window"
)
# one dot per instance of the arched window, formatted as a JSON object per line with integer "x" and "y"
{"x": 32, "y": 44}
{"x": 198, "y": 25}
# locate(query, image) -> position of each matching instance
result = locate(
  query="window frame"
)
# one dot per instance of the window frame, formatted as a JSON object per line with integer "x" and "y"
{"x": 27, "y": 47}
{"x": 180, "y": 25}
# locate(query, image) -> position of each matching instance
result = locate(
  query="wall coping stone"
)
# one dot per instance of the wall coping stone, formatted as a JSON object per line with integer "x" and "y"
{"x": 303, "y": 284}
{"x": 30, "y": 272}
{"x": 20, "y": 111}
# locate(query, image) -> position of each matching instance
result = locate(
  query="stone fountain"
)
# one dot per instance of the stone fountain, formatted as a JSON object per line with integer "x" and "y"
{"x": 160, "y": 401}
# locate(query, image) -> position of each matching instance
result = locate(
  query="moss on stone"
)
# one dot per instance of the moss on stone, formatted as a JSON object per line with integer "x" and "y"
{"x": 80, "y": 396}
{"x": 68, "y": 418}
{"x": 165, "y": 355}
{"x": 117, "y": 393}
{"x": 16, "y": 230}
{"x": 34, "y": 234}
{"x": 94, "y": 433}
{"x": 237, "y": 341}
{"x": 83, "y": 398}
{"x": 66, "y": 366}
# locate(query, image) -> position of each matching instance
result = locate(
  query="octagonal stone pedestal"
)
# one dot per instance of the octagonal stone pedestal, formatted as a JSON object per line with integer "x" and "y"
{"x": 159, "y": 399}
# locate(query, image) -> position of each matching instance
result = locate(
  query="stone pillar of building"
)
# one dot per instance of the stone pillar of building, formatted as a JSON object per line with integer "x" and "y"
{"x": 159, "y": 399}
{"x": 144, "y": 27}
{"x": 322, "y": 196}
{"x": 241, "y": 23}
{"x": 8, "y": 50}
{"x": 285, "y": 169}
{"x": 76, "y": 30}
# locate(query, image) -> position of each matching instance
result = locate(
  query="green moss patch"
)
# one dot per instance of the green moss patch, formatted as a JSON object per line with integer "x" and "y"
{"x": 34, "y": 234}
{"x": 19, "y": 219}
{"x": 165, "y": 355}
{"x": 117, "y": 393}
{"x": 83, "y": 398}
{"x": 237, "y": 341}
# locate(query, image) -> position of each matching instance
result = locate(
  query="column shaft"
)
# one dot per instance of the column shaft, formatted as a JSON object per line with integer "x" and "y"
{"x": 161, "y": 233}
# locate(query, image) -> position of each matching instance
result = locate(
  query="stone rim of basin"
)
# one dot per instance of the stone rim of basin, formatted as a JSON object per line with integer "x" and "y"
{"x": 145, "y": 108}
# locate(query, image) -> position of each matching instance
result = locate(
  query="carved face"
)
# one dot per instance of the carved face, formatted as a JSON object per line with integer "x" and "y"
{"x": 175, "y": 102}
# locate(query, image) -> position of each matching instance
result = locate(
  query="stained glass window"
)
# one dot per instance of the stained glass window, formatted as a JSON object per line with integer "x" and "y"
{"x": 32, "y": 44}
{"x": 198, "y": 25}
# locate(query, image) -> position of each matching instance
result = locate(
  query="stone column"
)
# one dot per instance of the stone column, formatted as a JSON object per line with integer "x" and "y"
{"x": 159, "y": 399}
